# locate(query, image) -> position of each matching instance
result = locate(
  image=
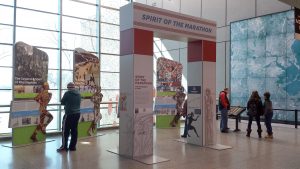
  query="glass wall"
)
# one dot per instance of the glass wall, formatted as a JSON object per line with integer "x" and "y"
{"x": 58, "y": 27}
{"x": 265, "y": 57}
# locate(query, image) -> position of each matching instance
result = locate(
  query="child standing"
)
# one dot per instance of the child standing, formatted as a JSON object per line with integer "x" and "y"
{"x": 268, "y": 112}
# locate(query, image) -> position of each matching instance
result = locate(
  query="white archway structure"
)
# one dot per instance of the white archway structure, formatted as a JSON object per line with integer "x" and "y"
{"x": 138, "y": 25}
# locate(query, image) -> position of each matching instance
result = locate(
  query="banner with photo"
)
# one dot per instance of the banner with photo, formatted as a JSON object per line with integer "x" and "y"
{"x": 169, "y": 75}
{"x": 30, "y": 71}
{"x": 86, "y": 72}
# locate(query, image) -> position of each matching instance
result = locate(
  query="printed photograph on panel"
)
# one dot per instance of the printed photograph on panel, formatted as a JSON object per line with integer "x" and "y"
{"x": 86, "y": 72}
{"x": 31, "y": 71}
{"x": 169, "y": 75}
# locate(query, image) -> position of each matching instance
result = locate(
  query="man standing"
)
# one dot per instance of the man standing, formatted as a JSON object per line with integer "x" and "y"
{"x": 224, "y": 106}
{"x": 71, "y": 100}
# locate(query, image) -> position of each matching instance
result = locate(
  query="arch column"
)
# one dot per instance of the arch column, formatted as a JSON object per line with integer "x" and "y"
{"x": 201, "y": 91}
{"x": 136, "y": 87}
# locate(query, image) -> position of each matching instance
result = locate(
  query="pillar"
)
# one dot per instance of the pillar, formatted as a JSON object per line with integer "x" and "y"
{"x": 202, "y": 91}
{"x": 136, "y": 87}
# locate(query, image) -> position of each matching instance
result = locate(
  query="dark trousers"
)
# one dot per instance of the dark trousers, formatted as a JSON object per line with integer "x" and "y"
{"x": 268, "y": 121}
{"x": 70, "y": 125}
{"x": 257, "y": 118}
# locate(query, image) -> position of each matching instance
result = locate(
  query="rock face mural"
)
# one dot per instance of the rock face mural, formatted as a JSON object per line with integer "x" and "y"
{"x": 266, "y": 57}
{"x": 31, "y": 71}
{"x": 86, "y": 72}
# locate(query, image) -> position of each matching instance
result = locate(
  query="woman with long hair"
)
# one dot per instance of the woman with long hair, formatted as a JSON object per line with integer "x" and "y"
{"x": 255, "y": 108}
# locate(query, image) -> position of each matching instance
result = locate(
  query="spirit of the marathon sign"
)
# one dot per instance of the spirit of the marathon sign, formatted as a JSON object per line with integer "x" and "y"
{"x": 157, "y": 19}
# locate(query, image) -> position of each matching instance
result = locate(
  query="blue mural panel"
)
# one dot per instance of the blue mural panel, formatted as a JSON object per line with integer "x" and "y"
{"x": 266, "y": 57}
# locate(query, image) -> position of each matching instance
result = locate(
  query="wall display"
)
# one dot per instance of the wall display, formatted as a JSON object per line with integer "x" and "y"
{"x": 24, "y": 113}
{"x": 169, "y": 75}
{"x": 86, "y": 72}
{"x": 31, "y": 71}
{"x": 266, "y": 57}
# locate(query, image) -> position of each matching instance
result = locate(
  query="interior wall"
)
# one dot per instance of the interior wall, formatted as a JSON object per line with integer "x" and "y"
{"x": 221, "y": 11}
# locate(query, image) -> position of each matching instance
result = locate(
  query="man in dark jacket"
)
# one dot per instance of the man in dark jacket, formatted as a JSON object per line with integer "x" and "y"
{"x": 71, "y": 100}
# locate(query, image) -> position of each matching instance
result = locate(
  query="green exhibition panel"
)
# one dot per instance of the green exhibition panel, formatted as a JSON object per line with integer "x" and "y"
{"x": 20, "y": 135}
{"x": 83, "y": 128}
{"x": 163, "y": 121}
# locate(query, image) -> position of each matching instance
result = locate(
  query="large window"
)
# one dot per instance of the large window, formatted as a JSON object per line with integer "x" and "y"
{"x": 58, "y": 27}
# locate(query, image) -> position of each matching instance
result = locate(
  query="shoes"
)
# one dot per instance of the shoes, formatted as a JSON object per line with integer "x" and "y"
{"x": 247, "y": 135}
{"x": 269, "y": 137}
{"x": 183, "y": 136}
{"x": 61, "y": 149}
{"x": 72, "y": 149}
{"x": 224, "y": 131}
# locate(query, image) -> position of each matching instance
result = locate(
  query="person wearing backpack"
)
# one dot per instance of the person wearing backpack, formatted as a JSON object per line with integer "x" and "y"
{"x": 255, "y": 109}
{"x": 224, "y": 106}
{"x": 268, "y": 113}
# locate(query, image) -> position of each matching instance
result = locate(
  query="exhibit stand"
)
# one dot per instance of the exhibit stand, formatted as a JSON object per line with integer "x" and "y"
{"x": 168, "y": 80}
{"x": 138, "y": 25}
{"x": 29, "y": 116}
{"x": 86, "y": 72}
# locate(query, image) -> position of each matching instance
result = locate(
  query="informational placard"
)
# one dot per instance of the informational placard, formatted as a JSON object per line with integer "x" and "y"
{"x": 31, "y": 71}
{"x": 86, "y": 72}
{"x": 143, "y": 105}
{"x": 86, "y": 110}
{"x": 169, "y": 75}
{"x": 24, "y": 113}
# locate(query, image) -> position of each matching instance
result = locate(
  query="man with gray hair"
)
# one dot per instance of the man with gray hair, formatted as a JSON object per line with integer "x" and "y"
{"x": 71, "y": 100}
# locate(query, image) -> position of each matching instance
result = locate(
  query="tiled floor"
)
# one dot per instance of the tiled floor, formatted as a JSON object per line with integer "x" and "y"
{"x": 253, "y": 153}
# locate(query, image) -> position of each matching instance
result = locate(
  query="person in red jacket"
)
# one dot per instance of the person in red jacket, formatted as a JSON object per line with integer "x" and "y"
{"x": 224, "y": 106}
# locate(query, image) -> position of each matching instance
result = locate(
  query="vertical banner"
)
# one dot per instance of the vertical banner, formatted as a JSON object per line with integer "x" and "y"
{"x": 194, "y": 114}
{"x": 143, "y": 105}
{"x": 29, "y": 116}
{"x": 297, "y": 23}
{"x": 87, "y": 80}
{"x": 86, "y": 72}
{"x": 169, "y": 74}
{"x": 31, "y": 71}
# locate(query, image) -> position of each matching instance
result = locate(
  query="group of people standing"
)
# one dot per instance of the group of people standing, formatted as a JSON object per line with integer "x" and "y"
{"x": 255, "y": 108}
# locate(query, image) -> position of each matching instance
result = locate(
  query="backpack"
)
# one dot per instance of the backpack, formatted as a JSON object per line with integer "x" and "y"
{"x": 221, "y": 107}
{"x": 252, "y": 108}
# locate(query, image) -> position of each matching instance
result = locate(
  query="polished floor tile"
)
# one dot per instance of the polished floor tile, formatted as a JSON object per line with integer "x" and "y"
{"x": 283, "y": 152}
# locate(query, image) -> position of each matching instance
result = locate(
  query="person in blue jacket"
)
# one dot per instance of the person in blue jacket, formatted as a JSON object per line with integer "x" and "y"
{"x": 71, "y": 100}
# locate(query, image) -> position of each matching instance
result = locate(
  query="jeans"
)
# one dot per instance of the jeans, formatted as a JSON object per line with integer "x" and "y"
{"x": 257, "y": 118}
{"x": 224, "y": 119}
{"x": 268, "y": 120}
